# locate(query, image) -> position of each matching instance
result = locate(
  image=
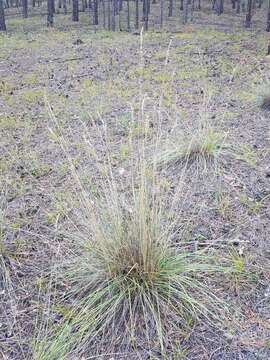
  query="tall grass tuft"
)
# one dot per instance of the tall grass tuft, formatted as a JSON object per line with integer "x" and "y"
{"x": 204, "y": 146}
{"x": 131, "y": 281}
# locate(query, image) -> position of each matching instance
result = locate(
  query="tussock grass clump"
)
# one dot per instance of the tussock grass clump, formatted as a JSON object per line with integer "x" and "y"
{"x": 130, "y": 286}
{"x": 203, "y": 146}
{"x": 263, "y": 97}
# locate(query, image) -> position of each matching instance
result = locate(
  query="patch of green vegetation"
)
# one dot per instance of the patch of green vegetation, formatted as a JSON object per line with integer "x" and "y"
{"x": 30, "y": 79}
{"x": 224, "y": 206}
{"x": 5, "y": 88}
{"x": 32, "y": 96}
{"x": 193, "y": 72}
{"x": 247, "y": 154}
{"x": 205, "y": 144}
{"x": 9, "y": 122}
{"x": 252, "y": 205}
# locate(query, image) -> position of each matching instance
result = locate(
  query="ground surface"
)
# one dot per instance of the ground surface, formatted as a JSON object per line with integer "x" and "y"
{"x": 99, "y": 78}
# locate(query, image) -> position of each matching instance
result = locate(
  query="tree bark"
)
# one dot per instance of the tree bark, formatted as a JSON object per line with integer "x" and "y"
{"x": 181, "y": 5}
{"x": 104, "y": 13}
{"x": 249, "y": 14}
{"x": 185, "y": 17}
{"x": 128, "y": 16}
{"x": 268, "y": 18}
{"x": 2, "y": 17}
{"x": 25, "y": 8}
{"x": 137, "y": 15}
{"x": 161, "y": 13}
{"x": 50, "y": 13}
{"x": 96, "y": 12}
{"x": 75, "y": 10}
{"x": 65, "y": 6}
{"x": 238, "y": 7}
{"x": 170, "y": 8}
{"x": 113, "y": 15}
{"x": 109, "y": 14}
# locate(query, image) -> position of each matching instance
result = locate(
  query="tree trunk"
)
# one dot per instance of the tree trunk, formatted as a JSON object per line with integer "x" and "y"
{"x": 25, "y": 8}
{"x": 161, "y": 13}
{"x": 113, "y": 15}
{"x": 238, "y": 7}
{"x": 268, "y": 18}
{"x": 137, "y": 15}
{"x": 83, "y": 6}
{"x": 145, "y": 14}
{"x": 75, "y": 10}
{"x": 185, "y": 18}
{"x": 233, "y": 4}
{"x": 2, "y": 17}
{"x": 181, "y": 5}
{"x": 249, "y": 14}
{"x": 109, "y": 14}
{"x": 50, "y": 13}
{"x": 128, "y": 16}
{"x": 220, "y": 9}
{"x": 65, "y": 6}
{"x": 96, "y": 12}
{"x": 170, "y": 8}
{"x": 104, "y": 13}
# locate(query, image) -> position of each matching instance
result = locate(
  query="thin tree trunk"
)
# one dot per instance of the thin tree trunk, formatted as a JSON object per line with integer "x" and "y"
{"x": 75, "y": 10}
{"x": 192, "y": 10}
{"x": 185, "y": 18}
{"x": 238, "y": 7}
{"x": 65, "y": 6}
{"x": 137, "y": 15}
{"x": 83, "y": 6}
{"x": 181, "y": 5}
{"x": 104, "y": 13}
{"x": 50, "y": 13}
{"x": 220, "y": 7}
{"x": 268, "y": 18}
{"x": 170, "y": 8}
{"x": 113, "y": 15}
{"x": 25, "y": 8}
{"x": 2, "y": 17}
{"x": 96, "y": 12}
{"x": 161, "y": 13}
{"x": 145, "y": 7}
{"x": 128, "y": 16}
{"x": 249, "y": 14}
{"x": 109, "y": 14}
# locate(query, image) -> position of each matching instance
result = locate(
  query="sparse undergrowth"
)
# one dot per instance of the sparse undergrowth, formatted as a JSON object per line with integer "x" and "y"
{"x": 134, "y": 265}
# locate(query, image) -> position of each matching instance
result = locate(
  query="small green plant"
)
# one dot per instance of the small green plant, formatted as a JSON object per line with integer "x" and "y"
{"x": 263, "y": 97}
{"x": 205, "y": 145}
{"x": 246, "y": 153}
{"x": 32, "y": 96}
{"x": 252, "y": 205}
{"x": 8, "y": 122}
